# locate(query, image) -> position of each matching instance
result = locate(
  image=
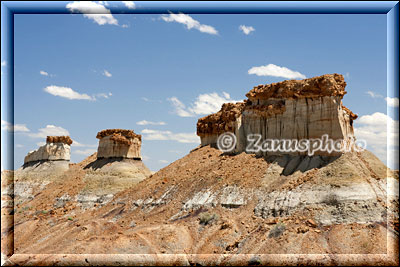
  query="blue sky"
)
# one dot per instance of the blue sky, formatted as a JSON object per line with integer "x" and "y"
{"x": 171, "y": 70}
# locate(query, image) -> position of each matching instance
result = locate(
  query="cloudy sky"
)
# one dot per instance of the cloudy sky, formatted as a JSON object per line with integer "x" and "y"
{"x": 157, "y": 74}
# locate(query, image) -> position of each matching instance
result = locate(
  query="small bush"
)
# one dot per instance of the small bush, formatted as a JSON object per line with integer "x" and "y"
{"x": 207, "y": 218}
{"x": 277, "y": 230}
{"x": 70, "y": 219}
{"x": 331, "y": 200}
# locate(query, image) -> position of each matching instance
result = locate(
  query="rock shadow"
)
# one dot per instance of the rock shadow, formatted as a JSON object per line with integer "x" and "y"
{"x": 302, "y": 163}
{"x": 100, "y": 162}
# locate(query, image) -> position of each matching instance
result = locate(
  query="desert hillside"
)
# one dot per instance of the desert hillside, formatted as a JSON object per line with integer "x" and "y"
{"x": 212, "y": 203}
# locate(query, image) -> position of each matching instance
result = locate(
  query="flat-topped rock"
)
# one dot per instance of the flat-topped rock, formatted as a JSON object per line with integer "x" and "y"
{"x": 57, "y": 148}
{"x": 293, "y": 109}
{"x": 119, "y": 143}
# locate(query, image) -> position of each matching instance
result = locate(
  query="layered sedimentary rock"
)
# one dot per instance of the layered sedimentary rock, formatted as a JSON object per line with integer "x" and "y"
{"x": 56, "y": 148}
{"x": 119, "y": 143}
{"x": 288, "y": 110}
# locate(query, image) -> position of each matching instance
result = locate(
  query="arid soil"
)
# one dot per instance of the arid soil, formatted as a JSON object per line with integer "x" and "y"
{"x": 209, "y": 203}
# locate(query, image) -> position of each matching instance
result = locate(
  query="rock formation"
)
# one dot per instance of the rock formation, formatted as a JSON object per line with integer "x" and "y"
{"x": 56, "y": 148}
{"x": 119, "y": 143}
{"x": 292, "y": 109}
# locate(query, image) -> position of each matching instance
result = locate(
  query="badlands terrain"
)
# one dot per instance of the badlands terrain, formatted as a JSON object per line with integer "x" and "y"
{"x": 210, "y": 207}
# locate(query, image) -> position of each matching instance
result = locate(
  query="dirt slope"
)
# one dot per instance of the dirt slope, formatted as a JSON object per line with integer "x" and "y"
{"x": 211, "y": 203}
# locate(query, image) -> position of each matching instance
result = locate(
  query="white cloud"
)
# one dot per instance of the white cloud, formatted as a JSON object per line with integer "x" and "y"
{"x": 49, "y": 130}
{"x": 189, "y": 22}
{"x": 44, "y": 73}
{"x": 66, "y": 92}
{"x": 392, "y": 102}
{"x": 246, "y": 29}
{"x": 40, "y": 143}
{"x": 373, "y": 94}
{"x": 276, "y": 71}
{"x": 85, "y": 152}
{"x": 129, "y": 4}
{"x": 77, "y": 144}
{"x": 380, "y": 132}
{"x": 103, "y": 95}
{"x": 19, "y": 145}
{"x": 5, "y": 125}
{"x": 125, "y": 26}
{"x": 107, "y": 73}
{"x": 145, "y": 158}
{"x": 94, "y": 11}
{"x": 163, "y": 161}
{"x": 149, "y": 134}
{"x": 144, "y": 122}
{"x": 204, "y": 104}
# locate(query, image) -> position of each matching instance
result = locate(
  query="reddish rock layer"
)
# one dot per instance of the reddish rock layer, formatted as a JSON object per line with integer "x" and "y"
{"x": 119, "y": 133}
{"x": 222, "y": 120}
{"x": 325, "y": 85}
{"x": 351, "y": 114}
{"x": 59, "y": 139}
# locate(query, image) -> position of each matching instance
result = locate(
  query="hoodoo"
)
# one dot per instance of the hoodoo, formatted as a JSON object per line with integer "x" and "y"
{"x": 292, "y": 109}
{"x": 119, "y": 143}
{"x": 56, "y": 148}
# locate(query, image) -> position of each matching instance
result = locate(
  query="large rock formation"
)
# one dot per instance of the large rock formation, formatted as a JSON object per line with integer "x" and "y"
{"x": 293, "y": 109}
{"x": 119, "y": 143}
{"x": 56, "y": 148}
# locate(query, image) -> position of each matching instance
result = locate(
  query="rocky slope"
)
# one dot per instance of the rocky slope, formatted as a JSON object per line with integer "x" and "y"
{"x": 211, "y": 203}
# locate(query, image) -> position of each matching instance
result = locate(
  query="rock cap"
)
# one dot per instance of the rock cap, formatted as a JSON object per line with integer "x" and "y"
{"x": 324, "y": 85}
{"x": 119, "y": 135}
{"x": 59, "y": 139}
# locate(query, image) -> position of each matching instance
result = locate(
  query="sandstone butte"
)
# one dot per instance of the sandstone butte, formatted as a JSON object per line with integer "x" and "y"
{"x": 292, "y": 109}
{"x": 57, "y": 148}
{"x": 119, "y": 143}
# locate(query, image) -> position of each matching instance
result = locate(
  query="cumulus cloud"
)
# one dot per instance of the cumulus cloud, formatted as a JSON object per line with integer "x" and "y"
{"x": 373, "y": 94}
{"x": 5, "y": 125}
{"x": 381, "y": 134}
{"x": 189, "y": 22}
{"x": 276, "y": 71}
{"x": 66, "y": 92}
{"x": 94, "y": 11}
{"x": 246, "y": 29}
{"x": 149, "y": 134}
{"x": 392, "y": 102}
{"x": 49, "y": 130}
{"x": 163, "y": 161}
{"x": 129, "y": 4}
{"x": 204, "y": 104}
{"x": 144, "y": 122}
{"x": 19, "y": 145}
{"x": 44, "y": 73}
{"x": 107, "y": 73}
